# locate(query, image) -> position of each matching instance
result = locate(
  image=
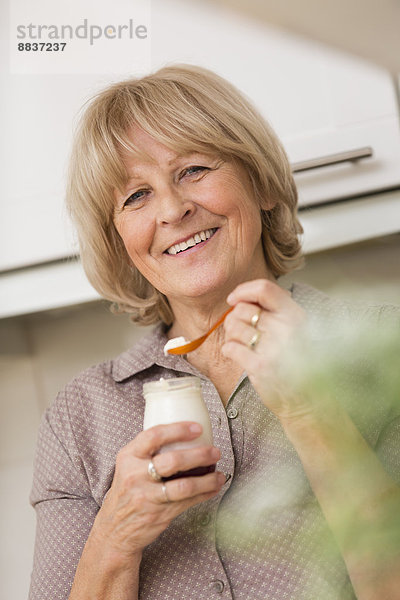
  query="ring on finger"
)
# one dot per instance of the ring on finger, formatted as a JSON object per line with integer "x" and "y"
{"x": 255, "y": 318}
{"x": 254, "y": 340}
{"x": 165, "y": 494}
{"x": 153, "y": 472}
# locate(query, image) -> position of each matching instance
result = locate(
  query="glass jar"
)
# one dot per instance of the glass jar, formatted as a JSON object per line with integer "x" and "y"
{"x": 178, "y": 399}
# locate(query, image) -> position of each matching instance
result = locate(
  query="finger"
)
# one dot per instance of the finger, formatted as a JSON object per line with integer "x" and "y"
{"x": 244, "y": 311}
{"x": 264, "y": 292}
{"x": 191, "y": 488}
{"x": 148, "y": 442}
{"x": 169, "y": 463}
{"x": 173, "y": 508}
{"x": 239, "y": 331}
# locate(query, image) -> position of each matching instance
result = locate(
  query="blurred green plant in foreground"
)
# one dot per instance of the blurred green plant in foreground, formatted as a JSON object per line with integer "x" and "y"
{"x": 353, "y": 363}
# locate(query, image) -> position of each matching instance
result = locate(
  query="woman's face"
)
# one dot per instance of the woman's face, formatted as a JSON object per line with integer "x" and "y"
{"x": 189, "y": 223}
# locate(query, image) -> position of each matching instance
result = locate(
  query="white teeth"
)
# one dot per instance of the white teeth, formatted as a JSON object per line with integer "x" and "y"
{"x": 196, "y": 239}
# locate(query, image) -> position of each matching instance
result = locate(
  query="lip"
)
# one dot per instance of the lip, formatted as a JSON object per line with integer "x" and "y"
{"x": 187, "y": 237}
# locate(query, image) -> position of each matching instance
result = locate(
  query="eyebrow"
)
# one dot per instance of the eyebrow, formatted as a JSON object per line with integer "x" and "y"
{"x": 133, "y": 174}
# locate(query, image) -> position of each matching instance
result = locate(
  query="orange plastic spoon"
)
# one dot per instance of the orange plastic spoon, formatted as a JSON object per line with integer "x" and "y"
{"x": 190, "y": 346}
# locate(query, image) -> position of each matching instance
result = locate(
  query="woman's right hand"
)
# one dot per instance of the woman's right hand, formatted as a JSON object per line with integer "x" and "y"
{"x": 135, "y": 511}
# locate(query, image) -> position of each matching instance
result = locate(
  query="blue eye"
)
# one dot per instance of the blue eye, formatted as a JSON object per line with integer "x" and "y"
{"x": 135, "y": 197}
{"x": 194, "y": 169}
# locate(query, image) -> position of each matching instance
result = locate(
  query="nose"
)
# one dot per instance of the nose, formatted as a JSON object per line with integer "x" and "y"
{"x": 173, "y": 207}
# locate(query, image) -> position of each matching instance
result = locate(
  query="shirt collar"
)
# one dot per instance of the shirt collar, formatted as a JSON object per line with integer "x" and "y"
{"x": 147, "y": 352}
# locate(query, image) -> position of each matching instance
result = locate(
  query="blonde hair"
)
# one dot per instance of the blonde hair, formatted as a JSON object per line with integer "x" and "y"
{"x": 188, "y": 109}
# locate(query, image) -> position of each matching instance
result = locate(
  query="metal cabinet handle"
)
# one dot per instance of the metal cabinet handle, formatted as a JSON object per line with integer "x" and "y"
{"x": 332, "y": 159}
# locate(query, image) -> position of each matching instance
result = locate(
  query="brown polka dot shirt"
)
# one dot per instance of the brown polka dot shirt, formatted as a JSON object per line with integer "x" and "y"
{"x": 262, "y": 538}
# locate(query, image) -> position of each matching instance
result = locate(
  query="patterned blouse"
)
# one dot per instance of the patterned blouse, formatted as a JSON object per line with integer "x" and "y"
{"x": 263, "y": 537}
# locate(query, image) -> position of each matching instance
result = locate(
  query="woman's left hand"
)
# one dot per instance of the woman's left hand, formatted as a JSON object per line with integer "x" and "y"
{"x": 258, "y": 335}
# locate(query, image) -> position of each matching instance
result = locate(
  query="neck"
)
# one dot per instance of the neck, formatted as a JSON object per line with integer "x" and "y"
{"x": 222, "y": 371}
{"x": 194, "y": 316}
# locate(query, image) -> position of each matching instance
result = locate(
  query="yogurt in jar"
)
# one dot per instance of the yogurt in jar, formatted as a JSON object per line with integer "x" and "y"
{"x": 178, "y": 399}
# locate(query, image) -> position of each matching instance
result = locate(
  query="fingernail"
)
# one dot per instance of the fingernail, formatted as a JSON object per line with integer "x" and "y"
{"x": 221, "y": 478}
{"x": 195, "y": 428}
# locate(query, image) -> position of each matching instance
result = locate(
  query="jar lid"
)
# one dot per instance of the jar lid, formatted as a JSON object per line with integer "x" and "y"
{"x": 175, "y": 383}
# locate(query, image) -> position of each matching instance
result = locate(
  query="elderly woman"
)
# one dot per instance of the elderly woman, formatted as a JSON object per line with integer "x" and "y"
{"x": 185, "y": 205}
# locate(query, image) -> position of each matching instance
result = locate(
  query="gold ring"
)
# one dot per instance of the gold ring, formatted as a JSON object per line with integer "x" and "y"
{"x": 153, "y": 473}
{"x": 255, "y": 318}
{"x": 164, "y": 491}
{"x": 254, "y": 340}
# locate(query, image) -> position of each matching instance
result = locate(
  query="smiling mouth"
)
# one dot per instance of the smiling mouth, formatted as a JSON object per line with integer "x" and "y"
{"x": 198, "y": 238}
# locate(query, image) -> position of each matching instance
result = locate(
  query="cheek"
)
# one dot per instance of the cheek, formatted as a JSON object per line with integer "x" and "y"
{"x": 237, "y": 197}
{"x": 256, "y": 221}
{"x": 136, "y": 237}
{"x": 246, "y": 214}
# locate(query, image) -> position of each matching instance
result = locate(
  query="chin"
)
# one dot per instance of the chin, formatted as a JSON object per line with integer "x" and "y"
{"x": 204, "y": 286}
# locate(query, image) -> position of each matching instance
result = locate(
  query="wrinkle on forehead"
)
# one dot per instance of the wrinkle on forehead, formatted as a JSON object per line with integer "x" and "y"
{"x": 132, "y": 152}
{"x": 130, "y": 148}
{"x": 134, "y": 172}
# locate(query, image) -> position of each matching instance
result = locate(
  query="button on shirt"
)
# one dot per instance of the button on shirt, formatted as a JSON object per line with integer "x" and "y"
{"x": 232, "y": 412}
{"x": 262, "y": 538}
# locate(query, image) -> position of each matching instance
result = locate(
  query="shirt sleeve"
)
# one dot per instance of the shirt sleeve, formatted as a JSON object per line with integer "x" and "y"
{"x": 65, "y": 508}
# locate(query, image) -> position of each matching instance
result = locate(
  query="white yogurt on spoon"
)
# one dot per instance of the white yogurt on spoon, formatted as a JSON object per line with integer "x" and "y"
{"x": 174, "y": 343}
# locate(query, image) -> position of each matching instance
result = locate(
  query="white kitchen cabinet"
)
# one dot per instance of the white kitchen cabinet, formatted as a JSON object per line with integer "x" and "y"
{"x": 36, "y": 124}
{"x": 365, "y": 28}
{"x": 361, "y": 117}
{"x": 319, "y": 101}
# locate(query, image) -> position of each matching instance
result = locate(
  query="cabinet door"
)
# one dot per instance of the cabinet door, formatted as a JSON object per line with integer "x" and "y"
{"x": 361, "y": 120}
{"x": 321, "y": 102}
{"x": 36, "y": 122}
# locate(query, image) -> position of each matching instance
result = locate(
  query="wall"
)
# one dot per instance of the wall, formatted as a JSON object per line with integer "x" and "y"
{"x": 40, "y": 353}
